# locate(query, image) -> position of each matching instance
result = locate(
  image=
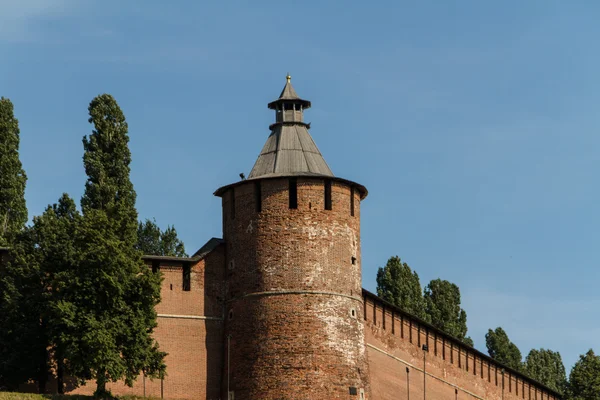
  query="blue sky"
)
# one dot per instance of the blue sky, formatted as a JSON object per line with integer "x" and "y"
{"x": 474, "y": 126}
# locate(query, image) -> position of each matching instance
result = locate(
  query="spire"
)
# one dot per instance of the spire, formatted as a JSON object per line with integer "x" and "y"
{"x": 289, "y": 150}
{"x": 289, "y": 95}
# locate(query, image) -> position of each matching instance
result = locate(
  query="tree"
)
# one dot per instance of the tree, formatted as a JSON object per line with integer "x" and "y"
{"x": 501, "y": 349}
{"x": 442, "y": 305}
{"x": 546, "y": 366}
{"x": 23, "y": 341}
{"x": 13, "y": 211}
{"x": 152, "y": 241}
{"x": 115, "y": 294}
{"x": 34, "y": 281}
{"x": 584, "y": 380}
{"x": 399, "y": 285}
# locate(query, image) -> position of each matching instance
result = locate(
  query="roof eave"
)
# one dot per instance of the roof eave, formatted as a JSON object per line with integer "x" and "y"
{"x": 362, "y": 189}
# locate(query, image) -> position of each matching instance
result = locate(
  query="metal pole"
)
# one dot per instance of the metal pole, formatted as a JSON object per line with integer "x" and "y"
{"x": 502, "y": 383}
{"x": 425, "y": 350}
{"x": 228, "y": 363}
{"x": 407, "y": 384}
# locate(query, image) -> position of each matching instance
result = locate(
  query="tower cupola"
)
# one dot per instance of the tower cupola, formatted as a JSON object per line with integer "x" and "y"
{"x": 289, "y": 150}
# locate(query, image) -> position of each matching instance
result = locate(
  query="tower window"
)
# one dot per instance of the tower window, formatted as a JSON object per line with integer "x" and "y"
{"x": 352, "y": 201}
{"x": 353, "y": 260}
{"x": 232, "y": 203}
{"x": 293, "y": 193}
{"x": 257, "y": 196}
{"x": 187, "y": 278}
{"x": 155, "y": 266}
{"x": 328, "y": 195}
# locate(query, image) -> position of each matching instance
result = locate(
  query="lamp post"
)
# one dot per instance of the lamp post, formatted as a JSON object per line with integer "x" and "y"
{"x": 407, "y": 384}
{"x": 425, "y": 350}
{"x": 502, "y": 372}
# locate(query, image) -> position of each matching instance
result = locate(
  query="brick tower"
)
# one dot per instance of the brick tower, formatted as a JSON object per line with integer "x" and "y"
{"x": 294, "y": 311}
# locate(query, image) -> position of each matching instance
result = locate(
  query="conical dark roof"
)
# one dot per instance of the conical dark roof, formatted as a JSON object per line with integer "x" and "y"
{"x": 289, "y": 95}
{"x": 289, "y": 150}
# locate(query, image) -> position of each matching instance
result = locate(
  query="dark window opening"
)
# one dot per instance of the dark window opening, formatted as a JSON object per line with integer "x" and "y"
{"x": 155, "y": 266}
{"x": 353, "y": 313}
{"x": 328, "y": 195}
{"x": 171, "y": 286}
{"x": 353, "y": 260}
{"x": 451, "y": 353}
{"x": 257, "y": 197}
{"x": 232, "y": 203}
{"x": 352, "y": 201}
{"x": 293, "y": 193}
{"x": 187, "y": 278}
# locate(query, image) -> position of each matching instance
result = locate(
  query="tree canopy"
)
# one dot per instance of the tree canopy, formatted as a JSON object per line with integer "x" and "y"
{"x": 584, "y": 380}
{"x": 13, "y": 211}
{"x": 399, "y": 285}
{"x": 153, "y": 241}
{"x": 500, "y": 348}
{"x": 546, "y": 367}
{"x": 442, "y": 305}
{"x": 115, "y": 293}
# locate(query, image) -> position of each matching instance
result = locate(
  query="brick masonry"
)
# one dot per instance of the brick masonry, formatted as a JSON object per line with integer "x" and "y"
{"x": 293, "y": 292}
{"x": 284, "y": 290}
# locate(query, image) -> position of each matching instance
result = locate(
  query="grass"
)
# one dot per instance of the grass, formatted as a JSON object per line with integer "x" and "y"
{"x": 29, "y": 396}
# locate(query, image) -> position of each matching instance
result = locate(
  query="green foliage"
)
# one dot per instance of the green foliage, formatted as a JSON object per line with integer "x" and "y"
{"x": 584, "y": 380}
{"x": 33, "y": 287}
{"x": 114, "y": 292}
{"x": 500, "y": 348}
{"x": 13, "y": 211}
{"x": 152, "y": 241}
{"x": 399, "y": 285}
{"x": 442, "y": 305}
{"x": 546, "y": 367}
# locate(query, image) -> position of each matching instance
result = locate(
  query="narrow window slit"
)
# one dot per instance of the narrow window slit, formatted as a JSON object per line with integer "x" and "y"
{"x": 328, "y": 195}
{"x": 293, "y": 193}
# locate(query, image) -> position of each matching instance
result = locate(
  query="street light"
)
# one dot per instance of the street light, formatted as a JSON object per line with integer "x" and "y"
{"x": 407, "y": 384}
{"x": 425, "y": 350}
{"x": 502, "y": 372}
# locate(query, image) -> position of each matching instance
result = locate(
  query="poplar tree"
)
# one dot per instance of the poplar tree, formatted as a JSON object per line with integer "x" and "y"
{"x": 442, "y": 305}
{"x": 115, "y": 293}
{"x": 399, "y": 285}
{"x": 153, "y": 241}
{"x": 501, "y": 349}
{"x": 13, "y": 212}
{"x": 546, "y": 367}
{"x": 584, "y": 380}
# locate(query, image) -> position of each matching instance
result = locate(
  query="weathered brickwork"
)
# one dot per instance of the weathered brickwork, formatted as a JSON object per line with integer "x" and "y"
{"x": 394, "y": 343}
{"x": 293, "y": 292}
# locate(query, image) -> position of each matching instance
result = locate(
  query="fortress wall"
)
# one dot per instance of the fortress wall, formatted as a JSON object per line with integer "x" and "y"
{"x": 454, "y": 371}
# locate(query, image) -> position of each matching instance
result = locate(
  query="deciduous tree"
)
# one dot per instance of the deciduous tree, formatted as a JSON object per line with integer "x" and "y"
{"x": 399, "y": 285}
{"x": 442, "y": 305}
{"x": 13, "y": 211}
{"x": 584, "y": 380}
{"x": 153, "y": 241}
{"x": 546, "y": 366}
{"x": 116, "y": 293}
{"x": 500, "y": 348}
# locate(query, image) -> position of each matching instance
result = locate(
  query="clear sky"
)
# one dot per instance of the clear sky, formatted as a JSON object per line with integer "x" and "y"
{"x": 473, "y": 124}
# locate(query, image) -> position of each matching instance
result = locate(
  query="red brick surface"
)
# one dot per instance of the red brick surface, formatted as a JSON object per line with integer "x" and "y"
{"x": 291, "y": 289}
{"x": 453, "y": 371}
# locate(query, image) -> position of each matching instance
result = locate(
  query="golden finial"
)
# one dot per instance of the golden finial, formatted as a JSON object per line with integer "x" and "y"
{"x": 288, "y": 77}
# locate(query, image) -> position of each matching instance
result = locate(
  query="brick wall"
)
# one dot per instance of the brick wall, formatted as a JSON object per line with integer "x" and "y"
{"x": 293, "y": 292}
{"x": 453, "y": 370}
